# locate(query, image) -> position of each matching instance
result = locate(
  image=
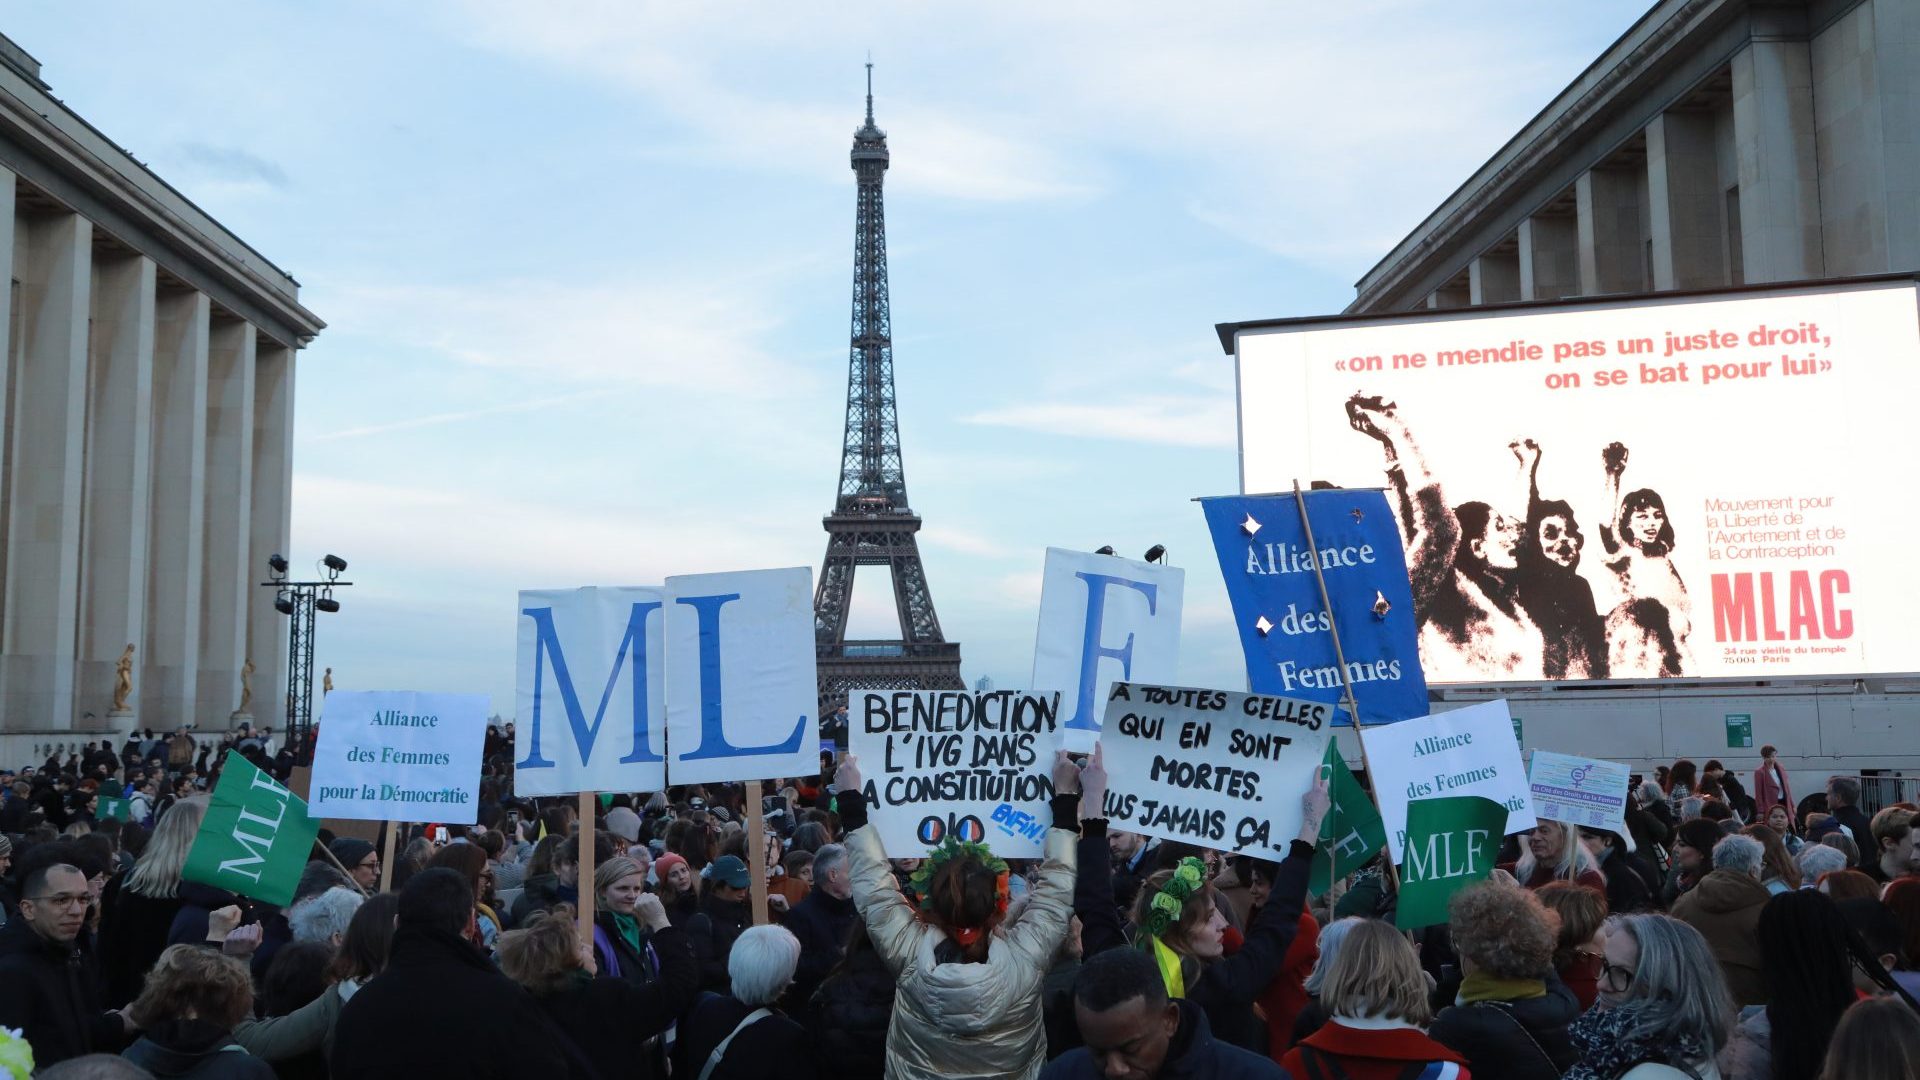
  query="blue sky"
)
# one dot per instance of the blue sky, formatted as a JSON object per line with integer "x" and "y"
{"x": 587, "y": 269}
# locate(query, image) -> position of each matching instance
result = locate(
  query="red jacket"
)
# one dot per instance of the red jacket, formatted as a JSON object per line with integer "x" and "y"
{"x": 1767, "y": 794}
{"x": 1374, "y": 1055}
{"x": 1286, "y": 995}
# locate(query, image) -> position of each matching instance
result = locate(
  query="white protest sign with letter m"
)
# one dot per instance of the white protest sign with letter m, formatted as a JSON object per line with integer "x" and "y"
{"x": 1468, "y": 751}
{"x": 397, "y": 755}
{"x": 741, "y": 683}
{"x": 1103, "y": 619}
{"x": 1211, "y": 767}
{"x": 590, "y": 692}
{"x": 974, "y": 766}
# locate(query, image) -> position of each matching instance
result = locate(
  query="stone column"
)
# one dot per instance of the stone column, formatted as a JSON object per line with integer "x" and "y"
{"x": 41, "y": 622}
{"x": 227, "y": 578}
{"x": 1773, "y": 136}
{"x": 1611, "y": 258}
{"x": 9, "y": 363}
{"x": 171, "y": 654}
{"x": 1494, "y": 279}
{"x": 1549, "y": 257}
{"x": 272, "y": 527}
{"x": 113, "y": 565}
{"x": 1684, "y": 200}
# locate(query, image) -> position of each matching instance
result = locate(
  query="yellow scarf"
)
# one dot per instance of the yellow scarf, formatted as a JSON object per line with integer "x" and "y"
{"x": 1170, "y": 973}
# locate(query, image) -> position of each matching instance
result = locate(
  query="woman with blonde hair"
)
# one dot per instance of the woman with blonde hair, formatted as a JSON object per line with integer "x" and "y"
{"x": 1376, "y": 996}
{"x": 1552, "y": 852}
{"x": 138, "y": 908}
{"x": 187, "y": 1012}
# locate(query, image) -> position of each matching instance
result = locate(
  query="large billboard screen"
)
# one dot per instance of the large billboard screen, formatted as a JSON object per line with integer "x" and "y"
{"x": 1692, "y": 487}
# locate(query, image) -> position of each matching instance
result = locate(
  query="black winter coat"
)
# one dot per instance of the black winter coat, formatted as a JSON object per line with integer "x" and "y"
{"x": 1227, "y": 988}
{"x": 49, "y": 993}
{"x": 772, "y": 1046}
{"x": 1519, "y": 1040}
{"x": 626, "y": 963}
{"x": 197, "y": 903}
{"x": 612, "y": 1022}
{"x": 1192, "y": 1054}
{"x": 848, "y": 1017}
{"x": 196, "y": 1050}
{"x": 441, "y": 1009}
{"x": 1627, "y": 889}
{"x": 823, "y": 924}
{"x": 540, "y": 894}
{"x": 713, "y": 932}
{"x": 133, "y": 934}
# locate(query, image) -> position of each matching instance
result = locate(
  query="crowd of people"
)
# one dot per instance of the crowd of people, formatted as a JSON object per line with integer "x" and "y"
{"x": 1724, "y": 934}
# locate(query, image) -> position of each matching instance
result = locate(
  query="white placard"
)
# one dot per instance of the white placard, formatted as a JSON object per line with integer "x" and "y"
{"x": 1211, "y": 767}
{"x": 399, "y": 755}
{"x": 1617, "y": 552}
{"x": 1579, "y": 790}
{"x": 1103, "y": 619}
{"x": 1468, "y": 751}
{"x": 590, "y": 691}
{"x": 741, "y": 684}
{"x": 976, "y": 766}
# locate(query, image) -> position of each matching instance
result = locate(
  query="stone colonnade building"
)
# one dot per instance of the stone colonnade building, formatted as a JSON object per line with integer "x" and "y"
{"x": 146, "y": 404}
{"x": 1717, "y": 143}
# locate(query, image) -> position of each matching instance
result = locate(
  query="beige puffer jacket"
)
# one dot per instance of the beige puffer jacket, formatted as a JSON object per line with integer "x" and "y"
{"x": 961, "y": 1021}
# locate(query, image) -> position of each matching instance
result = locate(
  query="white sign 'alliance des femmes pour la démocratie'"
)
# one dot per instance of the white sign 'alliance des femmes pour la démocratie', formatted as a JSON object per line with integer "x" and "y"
{"x": 399, "y": 755}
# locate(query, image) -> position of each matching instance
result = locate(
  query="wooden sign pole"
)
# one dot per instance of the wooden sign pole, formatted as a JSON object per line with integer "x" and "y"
{"x": 386, "y": 855}
{"x": 757, "y": 852}
{"x": 1339, "y": 657}
{"x": 585, "y": 886}
{"x": 322, "y": 848}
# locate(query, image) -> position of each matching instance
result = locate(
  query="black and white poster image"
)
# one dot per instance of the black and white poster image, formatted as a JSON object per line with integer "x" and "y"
{"x": 1516, "y": 583}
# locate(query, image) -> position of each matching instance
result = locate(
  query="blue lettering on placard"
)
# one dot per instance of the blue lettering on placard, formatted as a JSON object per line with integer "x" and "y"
{"x": 713, "y": 736}
{"x": 1091, "y": 651}
{"x": 547, "y": 641}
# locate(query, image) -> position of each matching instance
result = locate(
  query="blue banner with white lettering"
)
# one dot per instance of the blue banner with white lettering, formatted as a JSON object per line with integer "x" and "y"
{"x": 1283, "y": 623}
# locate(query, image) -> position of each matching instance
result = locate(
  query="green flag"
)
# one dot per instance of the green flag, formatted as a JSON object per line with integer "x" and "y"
{"x": 1451, "y": 843}
{"x": 110, "y": 808}
{"x": 1352, "y": 832}
{"x": 256, "y": 838}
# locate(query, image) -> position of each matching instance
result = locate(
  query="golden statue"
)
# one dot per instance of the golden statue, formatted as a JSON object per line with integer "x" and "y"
{"x": 326, "y": 681}
{"x": 246, "y": 685}
{"x": 123, "y": 680}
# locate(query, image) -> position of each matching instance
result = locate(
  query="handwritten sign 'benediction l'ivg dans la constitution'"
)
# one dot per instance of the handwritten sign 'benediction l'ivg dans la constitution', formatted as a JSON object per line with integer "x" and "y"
{"x": 398, "y": 755}
{"x": 1211, "y": 767}
{"x": 974, "y": 766}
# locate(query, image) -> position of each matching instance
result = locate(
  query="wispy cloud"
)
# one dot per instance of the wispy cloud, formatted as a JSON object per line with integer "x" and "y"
{"x": 963, "y": 540}
{"x": 232, "y": 164}
{"x": 461, "y": 416}
{"x": 1201, "y": 422}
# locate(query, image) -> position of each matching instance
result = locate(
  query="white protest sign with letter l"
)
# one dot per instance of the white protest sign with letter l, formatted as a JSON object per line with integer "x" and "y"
{"x": 741, "y": 681}
{"x": 974, "y": 766}
{"x": 1466, "y": 751}
{"x": 397, "y": 755}
{"x": 1211, "y": 767}
{"x": 1103, "y": 619}
{"x": 590, "y": 691}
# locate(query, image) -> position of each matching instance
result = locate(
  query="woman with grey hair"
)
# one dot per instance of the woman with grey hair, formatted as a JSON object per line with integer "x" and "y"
{"x": 1313, "y": 1014}
{"x": 1664, "y": 1010}
{"x": 1725, "y": 907}
{"x": 325, "y": 918}
{"x": 1818, "y": 860}
{"x": 745, "y": 1035}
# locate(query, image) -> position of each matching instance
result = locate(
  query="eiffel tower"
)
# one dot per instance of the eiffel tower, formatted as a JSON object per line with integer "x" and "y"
{"x": 871, "y": 524}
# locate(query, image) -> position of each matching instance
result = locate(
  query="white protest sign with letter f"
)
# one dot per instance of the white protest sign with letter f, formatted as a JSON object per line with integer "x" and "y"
{"x": 1103, "y": 620}
{"x": 590, "y": 691}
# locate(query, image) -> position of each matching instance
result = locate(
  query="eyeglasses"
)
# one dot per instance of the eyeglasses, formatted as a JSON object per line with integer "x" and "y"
{"x": 367, "y": 864}
{"x": 1615, "y": 979}
{"x": 61, "y": 900}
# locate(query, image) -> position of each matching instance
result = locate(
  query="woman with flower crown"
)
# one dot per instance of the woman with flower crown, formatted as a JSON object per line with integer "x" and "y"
{"x": 968, "y": 999}
{"x": 1176, "y": 920}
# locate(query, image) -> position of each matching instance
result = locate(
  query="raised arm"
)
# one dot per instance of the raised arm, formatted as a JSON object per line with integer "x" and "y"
{"x": 1245, "y": 975}
{"x": 1431, "y": 532}
{"x": 1101, "y": 927}
{"x": 1613, "y": 460}
{"x": 890, "y": 919}
{"x": 1043, "y": 927}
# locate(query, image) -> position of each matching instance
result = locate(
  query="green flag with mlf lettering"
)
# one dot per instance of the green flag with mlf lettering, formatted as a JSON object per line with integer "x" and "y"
{"x": 256, "y": 838}
{"x": 1352, "y": 833}
{"x": 1451, "y": 843}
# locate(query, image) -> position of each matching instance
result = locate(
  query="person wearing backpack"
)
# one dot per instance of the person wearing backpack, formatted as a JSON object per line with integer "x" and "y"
{"x": 744, "y": 1035}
